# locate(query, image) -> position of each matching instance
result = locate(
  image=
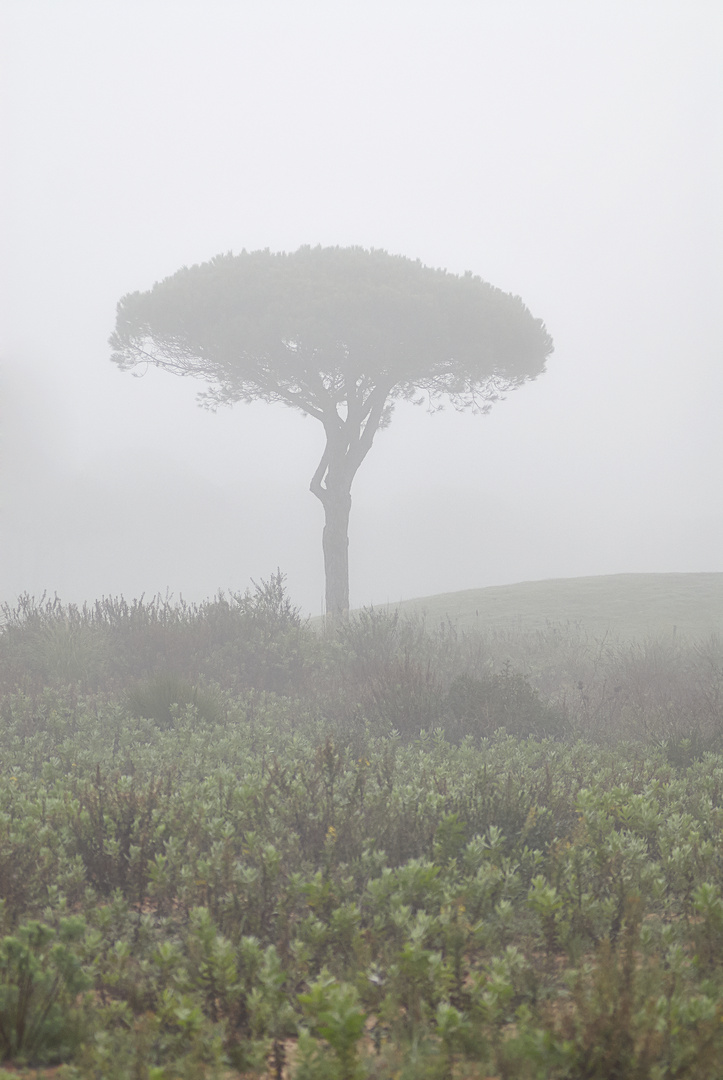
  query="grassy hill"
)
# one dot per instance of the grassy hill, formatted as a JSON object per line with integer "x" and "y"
{"x": 626, "y": 605}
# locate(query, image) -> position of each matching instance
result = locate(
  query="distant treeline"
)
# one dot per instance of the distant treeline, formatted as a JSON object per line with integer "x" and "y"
{"x": 381, "y": 669}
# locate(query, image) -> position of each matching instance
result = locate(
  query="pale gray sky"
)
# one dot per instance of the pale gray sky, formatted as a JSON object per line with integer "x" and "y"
{"x": 570, "y": 153}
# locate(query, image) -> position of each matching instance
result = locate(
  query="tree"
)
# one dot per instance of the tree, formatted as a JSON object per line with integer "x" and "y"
{"x": 339, "y": 334}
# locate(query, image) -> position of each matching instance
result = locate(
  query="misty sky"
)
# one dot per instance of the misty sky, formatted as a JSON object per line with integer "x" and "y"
{"x": 570, "y": 153}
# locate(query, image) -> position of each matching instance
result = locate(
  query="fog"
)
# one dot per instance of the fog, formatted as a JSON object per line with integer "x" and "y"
{"x": 569, "y": 153}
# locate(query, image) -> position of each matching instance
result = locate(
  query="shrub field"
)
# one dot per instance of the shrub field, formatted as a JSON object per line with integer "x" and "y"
{"x": 233, "y": 846}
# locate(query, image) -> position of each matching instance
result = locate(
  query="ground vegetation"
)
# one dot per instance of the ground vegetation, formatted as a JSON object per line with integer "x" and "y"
{"x": 234, "y": 846}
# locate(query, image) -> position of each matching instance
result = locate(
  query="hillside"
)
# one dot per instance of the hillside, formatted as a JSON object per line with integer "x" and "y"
{"x": 626, "y": 605}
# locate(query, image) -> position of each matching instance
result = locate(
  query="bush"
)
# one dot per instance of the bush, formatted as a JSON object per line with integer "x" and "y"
{"x": 162, "y": 698}
{"x": 251, "y": 640}
{"x": 479, "y": 705}
{"x": 41, "y": 976}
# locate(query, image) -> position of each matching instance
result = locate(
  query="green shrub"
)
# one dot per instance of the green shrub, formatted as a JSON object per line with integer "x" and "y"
{"x": 162, "y": 698}
{"x": 41, "y": 977}
{"x": 481, "y": 704}
{"x": 334, "y": 1015}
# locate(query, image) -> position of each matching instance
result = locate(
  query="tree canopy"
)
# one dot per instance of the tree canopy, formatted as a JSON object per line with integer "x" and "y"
{"x": 338, "y": 333}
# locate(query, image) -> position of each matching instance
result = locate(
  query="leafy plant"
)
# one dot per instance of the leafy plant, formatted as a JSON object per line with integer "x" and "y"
{"x": 162, "y": 698}
{"x": 41, "y": 976}
{"x": 335, "y": 1015}
{"x": 480, "y": 704}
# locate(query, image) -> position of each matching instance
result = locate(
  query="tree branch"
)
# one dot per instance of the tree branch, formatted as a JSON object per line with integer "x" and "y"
{"x": 373, "y": 411}
{"x": 316, "y": 487}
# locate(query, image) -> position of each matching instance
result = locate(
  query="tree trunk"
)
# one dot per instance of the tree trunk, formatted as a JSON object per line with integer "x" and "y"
{"x": 335, "y": 542}
{"x": 348, "y": 442}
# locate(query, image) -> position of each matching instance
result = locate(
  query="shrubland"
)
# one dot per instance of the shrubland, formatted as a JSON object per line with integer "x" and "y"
{"x": 234, "y": 845}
